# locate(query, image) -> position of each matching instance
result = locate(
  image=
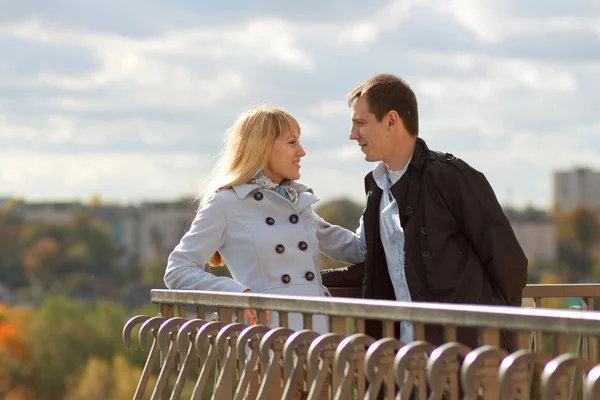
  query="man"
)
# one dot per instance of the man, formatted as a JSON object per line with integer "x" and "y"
{"x": 434, "y": 229}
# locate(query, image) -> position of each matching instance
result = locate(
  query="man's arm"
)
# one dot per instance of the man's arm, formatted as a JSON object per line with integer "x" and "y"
{"x": 351, "y": 276}
{"x": 472, "y": 200}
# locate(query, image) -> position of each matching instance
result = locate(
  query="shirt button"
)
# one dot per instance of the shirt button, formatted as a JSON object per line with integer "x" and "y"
{"x": 270, "y": 221}
{"x": 426, "y": 253}
{"x": 303, "y": 246}
{"x": 279, "y": 248}
{"x": 286, "y": 279}
{"x": 258, "y": 196}
{"x": 309, "y": 276}
{"x": 294, "y": 219}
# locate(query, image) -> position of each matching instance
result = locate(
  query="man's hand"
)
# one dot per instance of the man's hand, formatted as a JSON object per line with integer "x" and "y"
{"x": 252, "y": 315}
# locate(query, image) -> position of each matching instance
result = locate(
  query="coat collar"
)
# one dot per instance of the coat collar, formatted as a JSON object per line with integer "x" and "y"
{"x": 306, "y": 196}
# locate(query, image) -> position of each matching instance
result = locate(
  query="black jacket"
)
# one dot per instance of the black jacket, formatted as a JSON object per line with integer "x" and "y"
{"x": 459, "y": 246}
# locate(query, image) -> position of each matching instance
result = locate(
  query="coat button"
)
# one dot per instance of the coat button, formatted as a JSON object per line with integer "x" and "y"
{"x": 309, "y": 276}
{"x": 409, "y": 210}
{"x": 279, "y": 248}
{"x": 424, "y": 230}
{"x": 286, "y": 279}
{"x": 270, "y": 221}
{"x": 302, "y": 246}
{"x": 426, "y": 253}
{"x": 294, "y": 219}
{"x": 258, "y": 196}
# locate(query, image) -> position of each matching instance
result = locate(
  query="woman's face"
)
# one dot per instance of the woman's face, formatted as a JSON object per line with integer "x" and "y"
{"x": 284, "y": 162}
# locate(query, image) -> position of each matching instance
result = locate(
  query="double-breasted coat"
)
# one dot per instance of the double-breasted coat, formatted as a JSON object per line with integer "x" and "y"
{"x": 269, "y": 245}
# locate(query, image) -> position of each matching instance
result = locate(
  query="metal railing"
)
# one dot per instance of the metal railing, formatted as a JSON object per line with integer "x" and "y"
{"x": 227, "y": 359}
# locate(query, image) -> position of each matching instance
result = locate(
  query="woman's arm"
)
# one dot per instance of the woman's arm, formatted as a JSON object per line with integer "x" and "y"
{"x": 339, "y": 243}
{"x": 185, "y": 267}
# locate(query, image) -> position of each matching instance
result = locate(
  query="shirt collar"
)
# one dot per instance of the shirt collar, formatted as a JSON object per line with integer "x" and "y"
{"x": 380, "y": 174}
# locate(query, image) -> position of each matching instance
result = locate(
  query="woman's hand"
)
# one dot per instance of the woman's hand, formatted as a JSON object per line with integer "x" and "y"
{"x": 252, "y": 315}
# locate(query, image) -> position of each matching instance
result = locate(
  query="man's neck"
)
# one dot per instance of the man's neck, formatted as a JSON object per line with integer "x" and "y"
{"x": 401, "y": 154}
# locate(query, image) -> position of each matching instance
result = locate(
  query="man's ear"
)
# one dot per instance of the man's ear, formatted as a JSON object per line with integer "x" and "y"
{"x": 393, "y": 119}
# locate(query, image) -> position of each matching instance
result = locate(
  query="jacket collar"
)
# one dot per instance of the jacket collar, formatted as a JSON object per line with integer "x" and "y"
{"x": 245, "y": 189}
{"x": 306, "y": 196}
{"x": 419, "y": 157}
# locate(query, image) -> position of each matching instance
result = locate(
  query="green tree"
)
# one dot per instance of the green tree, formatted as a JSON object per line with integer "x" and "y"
{"x": 578, "y": 232}
{"x": 11, "y": 266}
{"x": 63, "y": 334}
{"x": 343, "y": 212}
{"x": 90, "y": 246}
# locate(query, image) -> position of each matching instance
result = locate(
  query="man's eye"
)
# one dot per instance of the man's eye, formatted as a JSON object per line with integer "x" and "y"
{"x": 293, "y": 142}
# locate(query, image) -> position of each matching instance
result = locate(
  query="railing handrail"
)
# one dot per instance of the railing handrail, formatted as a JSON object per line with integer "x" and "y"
{"x": 561, "y": 290}
{"x": 555, "y": 291}
{"x": 514, "y": 318}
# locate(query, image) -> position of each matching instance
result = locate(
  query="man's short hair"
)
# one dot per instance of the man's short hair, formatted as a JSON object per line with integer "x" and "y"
{"x": 386, "y": 92}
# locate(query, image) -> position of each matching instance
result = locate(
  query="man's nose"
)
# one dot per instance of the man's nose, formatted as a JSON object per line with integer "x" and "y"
{"x": 353, "y": 134}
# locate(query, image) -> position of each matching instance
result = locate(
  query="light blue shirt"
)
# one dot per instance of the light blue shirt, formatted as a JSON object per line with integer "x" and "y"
{"x": 392, "y": 238}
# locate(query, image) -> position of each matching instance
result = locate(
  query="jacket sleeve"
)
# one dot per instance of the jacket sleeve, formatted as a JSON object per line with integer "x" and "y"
{"x": 351, "y": 276}
{"x": 471, "y": 198}
{"x": 339, "y": 243}
{"x": 185, "y": 266}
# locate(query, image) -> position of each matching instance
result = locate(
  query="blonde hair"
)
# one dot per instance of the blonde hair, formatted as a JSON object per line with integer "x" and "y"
{"x": 247, "y": 150}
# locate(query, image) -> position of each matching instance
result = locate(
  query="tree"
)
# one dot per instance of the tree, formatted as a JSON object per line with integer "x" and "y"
{"x": 92, "y": 245}
{"x": 578, "y": 232}
{"x": 11, "y": 268}
{"x": 41, "y": 260}
{"x": 95, "y": 383}
{"x": 61, "y": 340}
{"x": 343, "y": 212}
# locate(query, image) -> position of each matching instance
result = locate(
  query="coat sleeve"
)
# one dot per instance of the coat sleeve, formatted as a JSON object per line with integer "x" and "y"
{"x": 351, "y": 276}
{"x": 471, "y": 199}
{"x": 339, "y": 243}
{"x": 185, "y": 266}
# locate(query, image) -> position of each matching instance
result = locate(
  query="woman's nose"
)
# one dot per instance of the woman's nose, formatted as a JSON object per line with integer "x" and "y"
{"x": 301, "y": 151}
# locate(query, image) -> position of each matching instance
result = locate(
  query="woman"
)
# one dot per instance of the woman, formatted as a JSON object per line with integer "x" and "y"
{"x": 258, "y": 219}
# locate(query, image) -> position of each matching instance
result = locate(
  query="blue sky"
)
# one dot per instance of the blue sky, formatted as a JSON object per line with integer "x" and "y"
{"x": 130, "y": 100}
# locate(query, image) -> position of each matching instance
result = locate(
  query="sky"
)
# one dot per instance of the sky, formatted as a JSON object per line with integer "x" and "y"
{"x": 131, "y": 100}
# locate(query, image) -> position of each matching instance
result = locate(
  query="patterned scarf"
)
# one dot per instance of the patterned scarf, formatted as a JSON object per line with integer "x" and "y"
{"x": 287, "y": 189}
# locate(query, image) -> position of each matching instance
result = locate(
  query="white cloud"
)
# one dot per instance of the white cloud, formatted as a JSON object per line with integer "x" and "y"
{"x": 330, "y": 108}
{"x": 125, "y": 177}
{"x": 176, "y": 91}
{"x": 492, "y": 21}
{"x": 359, "y": 34}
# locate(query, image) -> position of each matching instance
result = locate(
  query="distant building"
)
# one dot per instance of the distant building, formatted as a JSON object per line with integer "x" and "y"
{"x": 141, "y": 231}
{"x": 536, "y": 233}
{"x": 579, "y": 187}
{"x": 56, "y": 213}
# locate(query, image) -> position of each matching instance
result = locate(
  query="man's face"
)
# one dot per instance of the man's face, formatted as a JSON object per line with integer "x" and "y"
{"x": 372, "y": 136}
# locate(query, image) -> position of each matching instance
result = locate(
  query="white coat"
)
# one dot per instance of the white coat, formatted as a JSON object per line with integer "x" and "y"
{"x": 269, "y": 245}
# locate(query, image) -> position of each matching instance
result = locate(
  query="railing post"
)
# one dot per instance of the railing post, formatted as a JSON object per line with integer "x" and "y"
{"x": 167, "y": 311}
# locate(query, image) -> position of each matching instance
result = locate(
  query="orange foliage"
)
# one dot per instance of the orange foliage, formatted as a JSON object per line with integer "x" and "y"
{"x": 20, "y": 393}
{"x": 12, "y": 342}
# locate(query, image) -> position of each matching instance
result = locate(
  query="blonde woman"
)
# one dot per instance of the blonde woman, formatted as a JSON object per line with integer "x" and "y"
{"x": 258, "y": 219}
